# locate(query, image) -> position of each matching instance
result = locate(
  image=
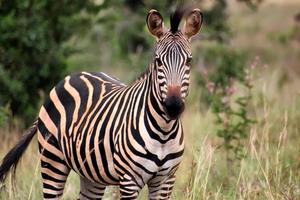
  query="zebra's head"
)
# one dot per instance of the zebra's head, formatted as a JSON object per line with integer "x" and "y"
{"x": 173, "y": 56}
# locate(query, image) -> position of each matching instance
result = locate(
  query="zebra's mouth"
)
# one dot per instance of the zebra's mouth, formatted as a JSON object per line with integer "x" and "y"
{"x": 174, "y": 106}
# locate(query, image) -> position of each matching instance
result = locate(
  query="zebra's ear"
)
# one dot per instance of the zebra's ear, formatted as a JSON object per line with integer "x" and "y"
{"x": 155, "y": 23}
{"x": 192, "y": 23}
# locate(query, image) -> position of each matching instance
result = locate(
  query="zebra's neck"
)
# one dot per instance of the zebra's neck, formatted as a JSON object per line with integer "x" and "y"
{"x": 154, "y": 109}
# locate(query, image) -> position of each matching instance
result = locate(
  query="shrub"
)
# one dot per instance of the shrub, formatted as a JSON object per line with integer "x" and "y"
{"x": 32, "y": 50}
{"x": 227, "y": 69}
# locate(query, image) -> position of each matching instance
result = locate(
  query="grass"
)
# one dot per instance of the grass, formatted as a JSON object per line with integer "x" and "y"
{"x": 271, "y": 169}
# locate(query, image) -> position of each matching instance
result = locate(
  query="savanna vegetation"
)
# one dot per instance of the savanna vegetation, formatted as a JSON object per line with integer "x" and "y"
{"x": 242, "y": 120}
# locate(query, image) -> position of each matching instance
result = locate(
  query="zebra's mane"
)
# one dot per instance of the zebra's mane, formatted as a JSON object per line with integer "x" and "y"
{"x": 176, "y": 17}
{"x": 143, "y": 75}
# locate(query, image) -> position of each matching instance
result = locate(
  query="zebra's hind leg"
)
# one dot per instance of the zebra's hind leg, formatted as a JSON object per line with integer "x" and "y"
{"x": 161, "y": 189}
{"x": 90, "y": 190}
{"x": 54, "y": 178}
{"x": 54, "y": 169}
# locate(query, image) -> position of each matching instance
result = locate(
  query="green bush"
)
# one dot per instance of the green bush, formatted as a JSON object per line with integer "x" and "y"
{"x": 222, "y": 65}
{"x": 32, "y": 50}
{"x": 227, "y": 69}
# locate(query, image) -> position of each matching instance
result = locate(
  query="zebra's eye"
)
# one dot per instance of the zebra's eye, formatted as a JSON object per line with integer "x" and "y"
{"x": 188, "y": 61}
{"x": 158, "y": 62}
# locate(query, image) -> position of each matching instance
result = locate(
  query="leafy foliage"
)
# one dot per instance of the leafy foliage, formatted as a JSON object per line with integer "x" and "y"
{"x": 216, "y": 19}
{"x": 32, "y": 51}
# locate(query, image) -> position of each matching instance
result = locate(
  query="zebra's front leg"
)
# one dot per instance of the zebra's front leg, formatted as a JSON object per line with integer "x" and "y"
{"x": 129, "y": 189}
{"x": 90, "y": 190}
{"x": 161, "y": 190}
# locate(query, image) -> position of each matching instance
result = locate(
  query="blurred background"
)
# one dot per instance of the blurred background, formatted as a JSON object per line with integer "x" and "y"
{"x": 243, "y": 115}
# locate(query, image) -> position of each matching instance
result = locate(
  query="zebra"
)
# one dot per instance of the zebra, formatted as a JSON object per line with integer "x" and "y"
{"x": 113, "y": 134}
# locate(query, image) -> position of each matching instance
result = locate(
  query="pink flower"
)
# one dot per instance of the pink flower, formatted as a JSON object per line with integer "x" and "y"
{"x": 230, "y": 90}
{"x": 210, "y": 86}
{"x": 255, "y": 62}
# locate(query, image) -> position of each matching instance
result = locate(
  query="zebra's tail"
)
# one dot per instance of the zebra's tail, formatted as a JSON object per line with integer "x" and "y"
{"x": 12, "y": 158}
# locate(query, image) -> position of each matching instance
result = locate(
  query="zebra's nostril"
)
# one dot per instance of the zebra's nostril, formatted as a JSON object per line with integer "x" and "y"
{"x": 174, "y": 90}
{"x": 174, "y": 106}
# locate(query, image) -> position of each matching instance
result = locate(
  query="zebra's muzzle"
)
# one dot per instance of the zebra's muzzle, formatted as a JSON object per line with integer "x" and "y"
{"x": 174, "y": 106}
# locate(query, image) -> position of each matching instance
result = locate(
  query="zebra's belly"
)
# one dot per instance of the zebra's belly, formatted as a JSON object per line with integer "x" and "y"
{"x": 91, "y": 157}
